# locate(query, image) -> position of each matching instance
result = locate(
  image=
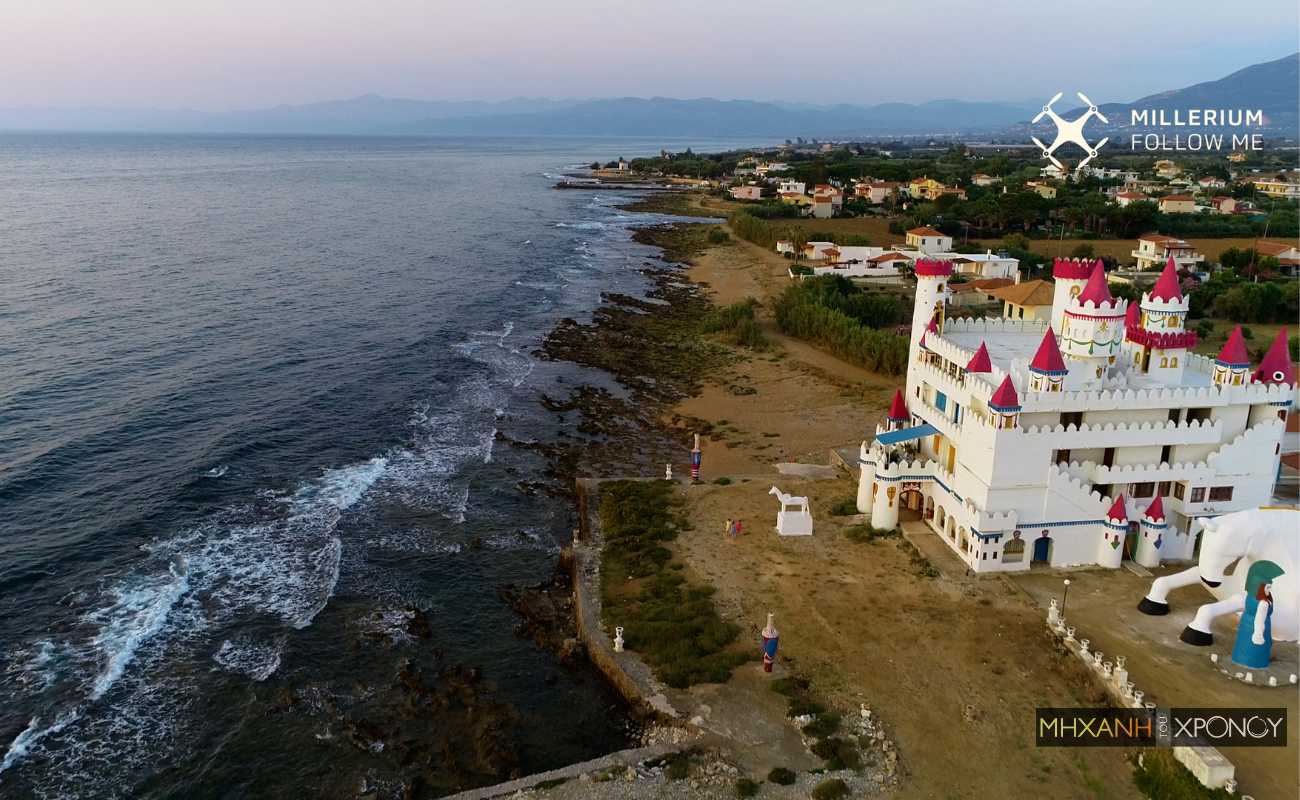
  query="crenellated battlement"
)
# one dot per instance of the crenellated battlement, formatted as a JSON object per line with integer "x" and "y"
{"x": 992, "y": 326}
{"x": 1166, "y": 397}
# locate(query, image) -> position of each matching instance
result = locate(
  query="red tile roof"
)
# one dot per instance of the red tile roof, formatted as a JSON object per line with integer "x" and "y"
{"x": 1167, "y": 286}
{"x": 1276, "y": 366}
{"x": 1177, "y": 198}
{"x": 923, "y": 231}
{"x": 980, "y": 361}
{"x": 1048, "y": 358}
{"x": 1005, "y": 397}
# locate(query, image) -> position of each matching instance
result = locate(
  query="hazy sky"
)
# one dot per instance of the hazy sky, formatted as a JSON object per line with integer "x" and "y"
{"x": 225, "y": 54}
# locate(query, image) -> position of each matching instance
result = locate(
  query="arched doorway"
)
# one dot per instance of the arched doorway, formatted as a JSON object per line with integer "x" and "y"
{"x": 951, "y": 529}
{"x": 909, "y": 506}
{"x": 964, "y": 543}
{"x": 1042, "y": 548}
{"x": 1013, "y": 552}
{"x": 940, "y": 519}
{"x": 929, "y": 508}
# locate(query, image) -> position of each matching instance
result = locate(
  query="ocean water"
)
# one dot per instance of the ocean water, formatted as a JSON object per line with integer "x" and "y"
{"x": 249, "y": 395}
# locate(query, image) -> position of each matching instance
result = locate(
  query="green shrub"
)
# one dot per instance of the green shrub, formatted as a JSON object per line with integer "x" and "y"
{"x": 837, "y": 753}
{"x": 832, "y": 789}
{"x": 678, "y": 768}
{"x": 550, "y": 784}
{"x": 723, "y": 481}
{"x": 746, "y": 788}
{"x": 1160, "y": 777}
{"x": 846, "y": 507}
{"x": 781, "y": 776}
{"x": 673, "y": 625}
{"x": 737, "y": 322}
{"x": 718, "y": 236}
{"x": 824, "y": 725}
{"x": 1247, "y": 333}
{"x": 867, "y": 533}
{"x": 830, "y": 311}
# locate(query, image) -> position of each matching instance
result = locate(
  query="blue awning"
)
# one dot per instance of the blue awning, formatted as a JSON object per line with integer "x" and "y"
{"x": 907, "y": 434}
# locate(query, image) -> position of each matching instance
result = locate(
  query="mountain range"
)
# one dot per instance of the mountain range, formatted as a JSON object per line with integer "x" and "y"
{"x": 1272, "y": 87}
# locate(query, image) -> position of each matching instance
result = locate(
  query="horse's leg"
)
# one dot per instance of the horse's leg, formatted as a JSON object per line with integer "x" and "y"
{"x": 1198, "y": 632}
{"x": 1156, "y": 602}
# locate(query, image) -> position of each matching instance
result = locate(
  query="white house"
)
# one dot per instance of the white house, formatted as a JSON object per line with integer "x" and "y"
{"x": 791, "y": 187}
{"x": 1211, "y": 182}
{"x": 747, "y": 192}
{"x": 1085, "y": 439}
{"x": 983, "y": 265}
{"x": 823, "y": 207}
{"x": 1155, "y": 249}
{"x": 878, "y": 191}
{"x": 980, "y": 179}
{"x": 772, "y": 166}
{"x": 928, "y": 240}
{"x": 1124, "y": 198}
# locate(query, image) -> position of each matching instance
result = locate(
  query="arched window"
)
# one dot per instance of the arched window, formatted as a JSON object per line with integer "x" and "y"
{"x": 1014, "y": 551}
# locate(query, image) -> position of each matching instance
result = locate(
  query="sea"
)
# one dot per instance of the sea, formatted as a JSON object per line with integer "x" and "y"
{"x": 253, "y": 398}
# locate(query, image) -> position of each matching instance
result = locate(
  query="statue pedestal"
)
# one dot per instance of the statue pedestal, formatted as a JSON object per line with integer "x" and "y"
{"x": 794, "y": 523}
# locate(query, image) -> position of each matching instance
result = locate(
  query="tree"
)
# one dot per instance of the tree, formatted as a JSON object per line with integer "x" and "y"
{"x": 1084, "y": 250}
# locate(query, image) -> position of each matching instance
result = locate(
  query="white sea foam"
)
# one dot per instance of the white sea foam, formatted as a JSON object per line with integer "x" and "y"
{"x": 216, "y": 472}
{"x": 138, "y": 614}
{"x": 257, "y": 660}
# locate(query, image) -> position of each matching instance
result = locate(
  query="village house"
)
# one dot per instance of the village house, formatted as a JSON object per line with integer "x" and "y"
{"x": 1211, "y": 182}
{"x": 917, "y": 187}
{"x": 1288, "y": 257}
{"x": 790, "y": 186}
{"x": 1053, "y": 172}
{"x": 1028, "y": 300}
{"x": 747, "y": 192}
{"x": 1177, "y": 204}
{"x": 1222, "y": 205}
{"x": 1278, "y": 188}
{"x": 823, "y": 207}
{"x": 801, "y": 200}
{"x": 772, "y": 166}
{"x": 1124, "y": 198}
{"x": 1042, "y": 188}
{"x": 1138, "y": 185}
{"x": 983, "y": 265}
{"x": 1087, "y": 438}
{"x": 928, "y": 240}
{"x": 980, "y": 179}
{"x": 1166, "y": 168}
{"x": 623, "y": 166}
{"x": 877, "y": 191}
{"x": 935, "y": 194}
{"x": 1155, "y": 249}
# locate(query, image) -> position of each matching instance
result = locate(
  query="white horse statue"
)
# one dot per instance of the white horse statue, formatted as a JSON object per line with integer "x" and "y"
{"x": 1245, "y": 537}
{"x": 796, "y": 521}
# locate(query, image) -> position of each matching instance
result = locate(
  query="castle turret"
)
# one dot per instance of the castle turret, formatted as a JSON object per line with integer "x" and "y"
{"x": 885, "y": 499}
{"x": 1158, "y": 344}
{"x": 1004, "y": 406}
{"x": 898, "y": 415}
{"x": 980, "y": 363}
{"x": 1047, "y": 371}
{"x": 1070, "y": 276}
{"x": 867, "y": 458}
{"x": 1092, "y": 331}
{"x": 1232, "y": 367}
{"x": 1276, "y": 368}
{"x": 1151, "y": 532}
{"x": 1115, "y": 527}
{"x": 931, "y": 297}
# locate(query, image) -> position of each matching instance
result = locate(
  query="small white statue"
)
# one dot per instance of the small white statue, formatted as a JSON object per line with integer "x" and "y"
{"x": 668, "y": 472}
{"x": 793, "y": 522}
{"x": 618, "y": 640}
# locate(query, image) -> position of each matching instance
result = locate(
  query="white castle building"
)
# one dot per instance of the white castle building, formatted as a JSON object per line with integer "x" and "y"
{"x": 1088, "y": 438}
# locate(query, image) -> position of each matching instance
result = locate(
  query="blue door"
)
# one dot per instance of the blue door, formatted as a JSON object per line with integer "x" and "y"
{"x": 1040, "y": 548}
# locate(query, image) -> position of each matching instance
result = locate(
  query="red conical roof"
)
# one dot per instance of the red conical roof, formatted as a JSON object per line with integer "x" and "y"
{"x": 1096, "y": 290}
{"x": 1133, "y": 317}
{"x": 1048, "y": 358}
{"x": 980, "y": 361}
{"x": 1064, "y": 269}
{"x": 931, "y": 328}
{"x": 1276, "y": 366}
{"x": 1234, "y": 352}
{"x": 898, "y": 410}
{"x": 1167, "y": 287}
{"x": 1005, "y": 397}
{"x": 1156, "y": 511}
{"x": 1117, "y": 511}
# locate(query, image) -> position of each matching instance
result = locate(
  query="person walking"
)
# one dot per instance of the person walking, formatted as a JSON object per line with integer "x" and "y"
{"x": 731, "y": 526}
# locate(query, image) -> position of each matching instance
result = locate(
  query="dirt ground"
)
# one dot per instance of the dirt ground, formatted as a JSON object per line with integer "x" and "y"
{"x": 857, "y": 618}
{"x": 1102, "y": 605}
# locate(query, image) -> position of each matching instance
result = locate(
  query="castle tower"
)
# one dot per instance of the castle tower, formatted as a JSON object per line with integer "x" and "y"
{"x": 1092, "y": 332}
{"x": 898, "y": 415}
{"x": 1158, "y": 344}
{"x": 867, "y": 459}
{"x": 1151, "y": 532}
{"x": 931, "y": 297}
{"x": 1110, "y": 552}
{"x": 924, "y": 355}
{"x": 979, "y": 363}
{"x": 1070, "y": 276}
{"x": 886, "y": 496}
{"x": 1232, "y": 367}
{"x": 1047, "y": 371}
{"x": 1004, "y": 406}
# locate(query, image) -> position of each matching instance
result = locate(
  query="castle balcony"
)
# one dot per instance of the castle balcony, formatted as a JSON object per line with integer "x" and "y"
{"x": 1120, "y": 434}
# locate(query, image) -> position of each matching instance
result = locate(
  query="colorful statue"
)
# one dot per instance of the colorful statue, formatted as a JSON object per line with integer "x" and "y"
{"x": 1245, "y": 538}
{"x": 769, "y": 643}
{"x": 695, "y": 459}
{"x": 1255, "y": 631}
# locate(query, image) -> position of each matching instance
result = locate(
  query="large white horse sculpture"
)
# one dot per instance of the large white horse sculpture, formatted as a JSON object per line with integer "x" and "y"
{"x": 796, "y": 522}
{"x": 1260, "y": 534}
